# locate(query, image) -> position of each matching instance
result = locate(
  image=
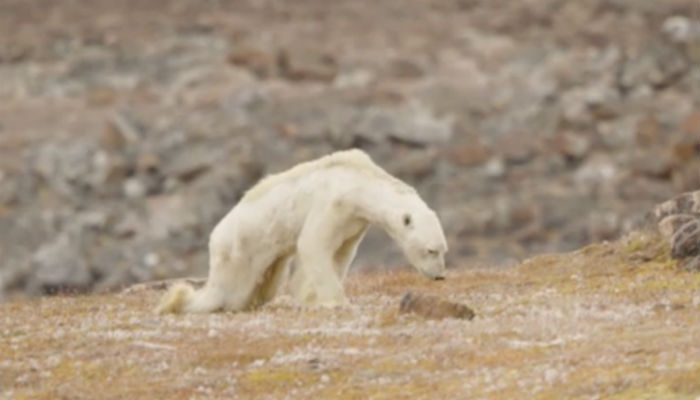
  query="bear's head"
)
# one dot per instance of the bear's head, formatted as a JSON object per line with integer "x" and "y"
{"x": 417, "y": 230}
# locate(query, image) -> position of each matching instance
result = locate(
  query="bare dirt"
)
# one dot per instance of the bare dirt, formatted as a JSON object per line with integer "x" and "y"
{"x": 613, "y": 320}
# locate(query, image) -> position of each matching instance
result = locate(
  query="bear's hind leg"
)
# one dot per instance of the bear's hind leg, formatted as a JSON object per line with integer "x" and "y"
{"x": 272, "y": 280}
{"x": 234, "y": 278}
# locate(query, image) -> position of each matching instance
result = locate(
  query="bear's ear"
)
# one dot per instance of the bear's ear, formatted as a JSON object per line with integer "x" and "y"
{"x": 407, "y": 220}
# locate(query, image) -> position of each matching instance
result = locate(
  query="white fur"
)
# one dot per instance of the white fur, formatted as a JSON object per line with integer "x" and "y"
{"x": 316, "y": 213}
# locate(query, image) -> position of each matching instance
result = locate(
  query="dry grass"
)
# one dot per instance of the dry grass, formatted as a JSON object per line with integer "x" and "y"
{"x": 614, "y": 320}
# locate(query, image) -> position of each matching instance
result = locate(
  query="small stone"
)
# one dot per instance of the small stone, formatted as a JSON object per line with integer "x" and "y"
{"x": 171, "y": 215}
{"x": 111, "y": 138}
{"x": 433, "y": 307}
{"x": 684, "y": 151}
{"x": 151, "y": 260}
{"x": 187, "y": 169}
{"x": 415, "y": 165}
{"x": 469, "y": 154}
{"x": 129, "y": 225}
{"x": 619, "y": 132}
{"x": 96, "y": 220}
{"x": 603, "y": 226}
{"x": 102, "y": 96}
{"x": 412, "y": 124}
{"x": 405, "y": 69}
{"x": 652, "y": 164}
{"x": 572, "y": 146}
{"x": 120, "y": 131}
{"x": 495, "y": 168}
{"x": 679, "y": 28}
{"x": 300, "y": 65}
{"x": 353, "y": 79}
{"x": 648, "y": 131}
{"x": 288, "y": 130}
{"x": 516, "y": 149}
{"x": 256, "y": 60}
{"x": 595, "y": 171}
{"x": 148, "y": 162}
{"x": 134, "y": 188}
{"x": 691, "y": 124}
{"x": 109, "y": 168}
{"x": 685, "y": 177}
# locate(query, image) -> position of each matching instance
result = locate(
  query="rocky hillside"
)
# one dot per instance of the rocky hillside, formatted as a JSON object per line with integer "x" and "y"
{"x": 613, "y": 320}
{"x": 127, "y": 128}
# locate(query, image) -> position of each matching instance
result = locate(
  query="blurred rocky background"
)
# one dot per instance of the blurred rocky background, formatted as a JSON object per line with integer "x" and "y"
{"x": 128, "y": 128}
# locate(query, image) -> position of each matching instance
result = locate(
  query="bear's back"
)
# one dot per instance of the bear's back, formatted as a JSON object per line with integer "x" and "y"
{"x": 354, "y": 159}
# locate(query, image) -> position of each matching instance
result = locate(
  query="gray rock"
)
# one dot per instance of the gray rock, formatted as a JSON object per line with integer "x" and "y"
{"x": 188, "y": 165}
{"x": 656, "y": 66}
{"x": 170, "y": 215}
{"x": 123, "y": 130}
{"x": 109, "y": 169}
{"x": 95, "y": 219}
{"x": 603, "y": 226}
{"x": 414, "y": 165}
{"x": 595, "y": 171}
{"x": 413, "y": 124}
{"x": 686, "y": 240}
{"x": 620, "y": 132}
{"x": 669, "y": 225}
{"x": 66, "y": 167}
{"x": 680, "y": 29}
{"x": 300, "y": 64}
{"x": 572, "y": 146}
{"x": 60, "y": 265}
{"x": 685, "y": 203}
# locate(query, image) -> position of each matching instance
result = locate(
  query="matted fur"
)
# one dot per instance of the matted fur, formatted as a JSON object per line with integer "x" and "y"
{"x": 354, "y": 159}
{"x": 315, "y": 214}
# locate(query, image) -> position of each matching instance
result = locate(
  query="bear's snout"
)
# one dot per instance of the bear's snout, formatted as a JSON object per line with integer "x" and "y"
{"x": 439, "y": 278}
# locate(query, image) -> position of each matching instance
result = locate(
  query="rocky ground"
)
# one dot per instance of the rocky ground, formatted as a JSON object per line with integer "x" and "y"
{"x": 615, "y": 320}
{"x": 127, "y": 129}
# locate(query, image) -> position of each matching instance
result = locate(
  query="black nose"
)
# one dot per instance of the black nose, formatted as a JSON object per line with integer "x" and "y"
{"x": 439, "y": 278}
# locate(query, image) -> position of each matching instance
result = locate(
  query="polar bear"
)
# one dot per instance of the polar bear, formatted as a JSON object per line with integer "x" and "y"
{"x": 315, "y": 213}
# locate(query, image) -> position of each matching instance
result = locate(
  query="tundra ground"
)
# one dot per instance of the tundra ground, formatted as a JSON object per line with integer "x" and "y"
{"x": 612, "y": 320}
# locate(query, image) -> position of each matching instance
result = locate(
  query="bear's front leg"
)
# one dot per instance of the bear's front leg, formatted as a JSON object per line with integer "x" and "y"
{"x": 316, "y": 281}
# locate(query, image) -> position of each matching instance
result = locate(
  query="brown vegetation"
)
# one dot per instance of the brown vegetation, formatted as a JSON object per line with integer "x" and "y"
{"x": 612, "y": 320}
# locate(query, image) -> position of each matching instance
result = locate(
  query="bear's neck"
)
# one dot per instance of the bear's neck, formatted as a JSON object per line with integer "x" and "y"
{"x": 377, "y": 202}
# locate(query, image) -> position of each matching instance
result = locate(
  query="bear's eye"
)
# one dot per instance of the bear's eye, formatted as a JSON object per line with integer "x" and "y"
{"x": 407, "y": 220}
{"x": 433, "y": 252}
